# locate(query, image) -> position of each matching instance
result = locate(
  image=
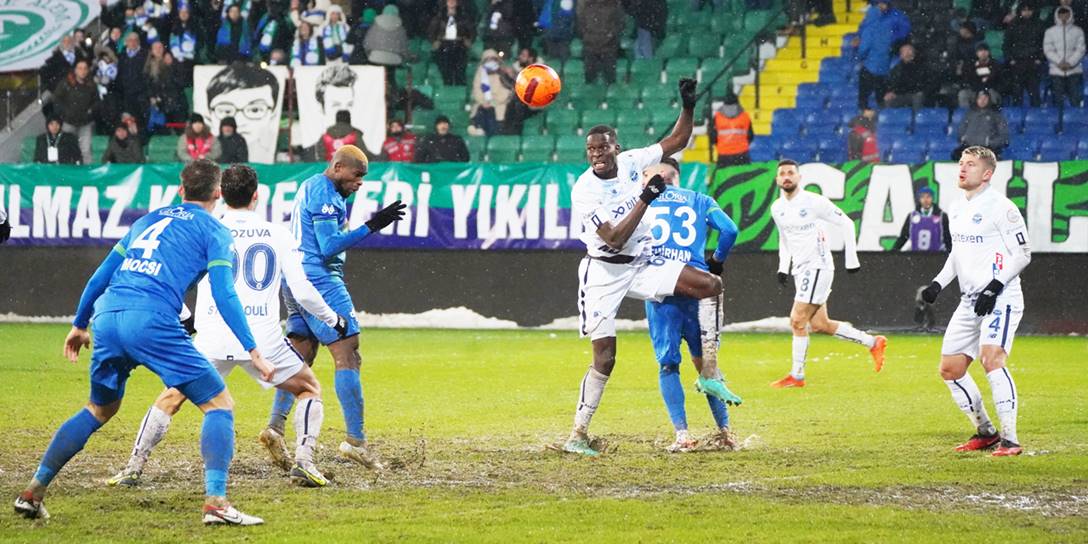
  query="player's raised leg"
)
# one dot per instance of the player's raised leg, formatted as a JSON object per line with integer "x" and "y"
{"x": 706, "y": 287}
{"x": 152, "y": 429}
{"x": 823, "y": 324}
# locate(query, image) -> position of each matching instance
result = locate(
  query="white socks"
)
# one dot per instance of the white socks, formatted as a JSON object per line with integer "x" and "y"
{"x": 800, "y": 351}
{"x": 152, "y": 430}
{"x": 847, "y": 331}
{"x": 588, "y": 398}
{"x": 1004, "y": 392}
{"x": 309, "y": 415}
{"x": 966, "y": 395}
{"x": 710, "y": 322}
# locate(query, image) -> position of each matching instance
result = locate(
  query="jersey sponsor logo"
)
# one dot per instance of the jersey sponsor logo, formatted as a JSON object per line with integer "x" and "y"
{"x": 624, "y": 208}
{"x": 142, "y": 266}
{"x": 178, "y": 213}
{"x": 799, "y": 228}
{"x": 671, "y": 196}
{"x": 250, "y": 233}
{"x": 967, "y": 238}
{"x": 977, "y": 218}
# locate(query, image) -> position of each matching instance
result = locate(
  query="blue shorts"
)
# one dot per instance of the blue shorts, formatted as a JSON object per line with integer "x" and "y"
{"x": 127, "y": 338}
{"x": 672, "y": 320}
{"x": 304, "y": 324}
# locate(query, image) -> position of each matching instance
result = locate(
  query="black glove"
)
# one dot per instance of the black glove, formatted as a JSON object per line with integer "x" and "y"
{"x": 383, "y": 217}
{"x": 189, "y": 324}
{"x": 341, "y": 326}
{"x": 988, "y": 297}
{"x": 653, "y": 189}
{"x": 5, "y": 230}
{"x": 716, "y": 267}
{"x": 853, "y": 270}
{"x": 782, "y": 277}
{"x": 687, "y": 93}
{"x": 929, "y": 295}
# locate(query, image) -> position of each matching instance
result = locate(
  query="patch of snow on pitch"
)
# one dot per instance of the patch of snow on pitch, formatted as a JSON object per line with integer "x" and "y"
{"x": 447, "y": 318}
{"x": 571, "y": 324}
{"x": 16, "y": 318}
{"x": 767, "y": 324}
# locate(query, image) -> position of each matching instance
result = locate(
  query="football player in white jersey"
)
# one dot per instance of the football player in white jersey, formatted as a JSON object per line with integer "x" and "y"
{"x": 610, "y": 202}
{"x": 989, "y": 250}
{"x": 802, "y": 242}
{"x": 265, "y": 255}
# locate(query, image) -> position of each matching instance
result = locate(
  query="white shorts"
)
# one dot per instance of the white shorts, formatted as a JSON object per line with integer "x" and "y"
{"x": 283, "y": 358}
{"x": 813, "y": 286}
{"x": 966, "y": 331}
{"x": 602, "y": 287}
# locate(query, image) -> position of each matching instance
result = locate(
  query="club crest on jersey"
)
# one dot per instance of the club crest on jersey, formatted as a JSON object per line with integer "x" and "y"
{"x": 803, "y": 212}
{"x": 634, "y": 175}
{"x": 328, "y": 209}
{"x": 977, "y": 218}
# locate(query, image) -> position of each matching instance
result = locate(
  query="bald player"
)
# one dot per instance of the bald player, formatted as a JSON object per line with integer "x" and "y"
{"x": 319, "y": 224}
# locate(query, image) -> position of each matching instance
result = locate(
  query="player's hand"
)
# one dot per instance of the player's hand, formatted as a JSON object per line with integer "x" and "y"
{"x": 77, "y": 339}
{"x": 929, "y": 295}
{"x": 262, "y": 365}
{"x": 988, "y": 297}
{"x": 853, "y": 270}
{"x": 5, "y": 230}
{"x": 383, "y": 217}
{"x": 687, "y": 92}
{"x": 189, "y": 324}
{"x": 653, "y": 189}
{"x": 716, "y": 267}
{"x": 341, "y": 326}
{"x": 782, "y": 277}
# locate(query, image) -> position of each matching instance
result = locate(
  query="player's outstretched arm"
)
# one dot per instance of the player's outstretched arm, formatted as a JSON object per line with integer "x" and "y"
{"x": 226, "y": 299}
{"x": 616, "y": 236}
{"x": 681, "y": 131}
{"x": 332, "y": 241}
{"x": 305, "y": 293}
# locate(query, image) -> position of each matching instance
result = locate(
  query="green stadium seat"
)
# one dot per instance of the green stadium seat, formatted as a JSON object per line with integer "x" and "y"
{"x": 681, "y": 67}
{"x": 476, "y": 146}
{"x": 26, "y": 154}
{"x": 586, "y": 97}
{"x": 563, "y": 121}
{"x": 419, "y": 72}
{"x": 575, "y": 49}
{"x": 574, "y": 69}
{"x": 644, "y": 72}
{"x": 703, "y": 45}
{"x": 632, "y": 121}
{"x": 99, "y": 143}
{"x": 672, "y": 46}
{"x": 591, "y": 118}
{"x": 662, "y": 119}
{"x": 162, "y": 148}
{"x": 710, "y": 68}
{"x": 533, "y": 125}
{"x": 658, "y": 96}
{"x": 622, "y": 96}
{"x": 423, "y": 121}
{"x": 755, "y": 20}
{"x": 729, "y": 26}
{"x": 503, "y": 148}
{"x": 537, "y": 148}
{"x": 570, "y": 148}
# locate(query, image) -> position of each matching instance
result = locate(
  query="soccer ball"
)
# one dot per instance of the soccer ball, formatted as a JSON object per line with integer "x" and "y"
{"x": 537, "y": 85}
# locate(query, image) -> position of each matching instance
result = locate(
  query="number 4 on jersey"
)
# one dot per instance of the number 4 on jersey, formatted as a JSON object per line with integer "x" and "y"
{"x": 148, "y": 240}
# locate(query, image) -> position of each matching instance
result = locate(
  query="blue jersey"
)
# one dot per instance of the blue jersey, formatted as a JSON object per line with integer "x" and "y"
{"x": 318, "y": 200}
{"x": 165, "y": 253}
{"x": 679, "y": 220}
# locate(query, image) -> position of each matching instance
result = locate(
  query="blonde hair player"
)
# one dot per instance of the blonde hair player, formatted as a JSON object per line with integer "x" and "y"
{"x": 990, "y": 248}
{"x": 802, "y": 242}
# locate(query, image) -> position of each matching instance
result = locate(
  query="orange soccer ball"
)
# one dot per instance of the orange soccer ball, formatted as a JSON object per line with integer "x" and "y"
{"x": 538, "y": 85}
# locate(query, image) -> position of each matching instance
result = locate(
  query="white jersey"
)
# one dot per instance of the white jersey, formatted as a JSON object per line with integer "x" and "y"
{"x": 595, "y": 201}
{"x": 801, "y": 236}
{"x": 265, "y": 254}
{"x": 989, "y": 241}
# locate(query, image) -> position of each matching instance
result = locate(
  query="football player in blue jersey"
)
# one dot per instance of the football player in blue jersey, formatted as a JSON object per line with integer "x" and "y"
{"x": 136, "y": 295}
{"x": 679, "y": 219}
{"x": 320, "y": 226}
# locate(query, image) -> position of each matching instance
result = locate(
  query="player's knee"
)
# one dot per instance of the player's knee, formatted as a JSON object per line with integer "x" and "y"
{"x": 667, "y": 369}
{"x": 103, "y": 413}
{"x": 798, "y": 324}
{"x": 170, "y": 401}
{"x": 712, "y": 286}
{"x": 951, "y": 371}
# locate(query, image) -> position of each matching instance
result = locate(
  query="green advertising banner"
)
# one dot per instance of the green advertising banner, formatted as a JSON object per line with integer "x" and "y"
{"x": 451, "y": 206}
{"x": 1053, "y": 198}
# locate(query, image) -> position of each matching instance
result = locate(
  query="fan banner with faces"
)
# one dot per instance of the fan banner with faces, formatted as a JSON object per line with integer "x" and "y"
{"x": 252, "y": 95}
{"x": 324, "y": 90}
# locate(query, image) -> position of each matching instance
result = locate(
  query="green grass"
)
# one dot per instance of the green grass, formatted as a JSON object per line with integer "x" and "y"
{"x": 463, "y": 417}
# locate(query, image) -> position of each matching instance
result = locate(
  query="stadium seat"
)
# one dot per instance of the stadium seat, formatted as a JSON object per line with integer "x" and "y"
{"x": 931, "y": 117}
{"x": 586, "y": 97}
{"x": 821, "y": 131}
{"x": 761, "y": 149}
{"x": 621, "y": 96}
{"x": 533, "y": 125}
{"x": 799, "y": 150}
{"x": 702, "y": 45}
{"x": 681, "y": 67}
{"x": 576, "y": 48}
{"x": 26, "y": 153}
{"x": 1014, "y": 116}
{"x": 570, "y": 148}
{"x": 957, "y": 118}
{"x": 537, "y": 148}
{"x": 1022, "y": 149}
{"x": 811, "y": 101}
{"x": 940, "y": 150}
{"x": 1057, "y": 149}
{"x": 574, "y": 69}
{"x": 591, "y": 118}
{"x": 662, "y": 119}
{"x": 710, "y": 68}
{"x": 476, "y": 147}
{"x": 563, "y": 121}
{"x": 503, "y": 148}
{"x": 671, "y": 47}
{"x": 785, "y": 122}
{"x": 908, "y": 151}
{"x": 931, "y": 131}
{"x": 644, "y": 72}
{"x": 423, "y": 121}
{"x": 1075, "y": 121}
{"x": 99, "y": 143}
{"x": 162, "y": 149}
{"x": 632, "y": 121}
{"x": 659, "y": 95}
{"x": 1041, "y": 121}
{"x": 1082, "y": 150}
{"x": 893, "y": 120}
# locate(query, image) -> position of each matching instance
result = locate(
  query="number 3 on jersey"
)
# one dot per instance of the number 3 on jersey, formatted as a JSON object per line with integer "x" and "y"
{"x": 148, "y": 240}
{"x": 661, "y": 227}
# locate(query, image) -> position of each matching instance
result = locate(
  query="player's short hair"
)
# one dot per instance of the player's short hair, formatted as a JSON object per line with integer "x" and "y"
{"x": 337, "y": 75}
{"x": 199, "y": 179}
{"x": 984, "y": 154}
{"x": 239, "y": 183}
{"x": 602, "y": 129}
{"x": 241, "y": 75}
{"x": 671, "y": 162}
{"x": 787, "y": 162}
{"x": 350, "y": 155}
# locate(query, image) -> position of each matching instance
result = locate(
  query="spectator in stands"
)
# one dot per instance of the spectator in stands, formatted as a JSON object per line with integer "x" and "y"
{"x": 1079, "y": 8}
{"x": 234, "y": 41}
{"x": 233, "y": 145}
{"x": 357, "y": 35}
{"x": 732, "y": 133}
{"x": 198, "y": 142}
{"x": 452, "y": 31}
{"x": 105, "y": 79}
{"x": 400, "y": 144}
{"x": 908, "y": 81}
{"x": 186, "y": 42}
{"x": 491, "y": 94}
{"x": 1023, "y": 48}
{"x": 961, "y": 49}
{"x": 442, "y": 146}
{"x": 56, "y": 146}
{"x": 133, "y": 126}
{"x": 340, "y": 134}
{"x": 985, "y": 75}
{"x": 146, "y": 25}
{"x": 76, "y": 102}
{"x": 861, "y": 144}
{"x": 386, "y": 42}
{"x": 130, "y": 77}
{"x": 123, "y": 148}
{"x": 983, "y": 125}
{"x": 113, "y": 40}
{"x": 334, "y": 35}
{"x": 498, "y": 31}
{"x": 1063, "y": 44}
{"x": 160, "y": 82}
{"x": 273, "y": 31}
{"x": 600, "y": 23}
{"x": 883, "y": 28}
{"x": 307, "y": 49}
{"x": 516, "y": 111}
{"x": 650, "y": 17}
{"x": 59, "y": 64}
{"x": 925, "y": 226}
{"x": 557, "y": 21}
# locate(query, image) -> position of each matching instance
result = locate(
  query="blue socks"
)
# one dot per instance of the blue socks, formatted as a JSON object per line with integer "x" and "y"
{"x": 281, "y": 406}
{"x": 673, "y": 393}
{"x": 217, "y": 448}
{"x": 69, "y": 440}
{"x": 349, "y": 390}
{"x": 721, "y": 414}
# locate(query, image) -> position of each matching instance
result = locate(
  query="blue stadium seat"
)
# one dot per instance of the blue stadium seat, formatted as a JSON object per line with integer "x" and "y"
{"x": 813, "y": 89}
{"x": 821, "y": 117}
{"x": 1015, "y": 117}
{"x": 957, "y": 118}
{"x": 762, "y": 149}
{"x": 1057, "y": 149}
{"x": 786, "y": 122}
{"x": 799, "y": 150}
{"x": 930, "y": 132}
{"x": 833, "y": 155}
{"x": 821, "y": 131}
{"x": 811, "y": 101}
{"x": 930, "y": 117}
{"x": 940, "y": 150}
{"x": 1082, "y": 150}
{"x": 1022, "y": 149}
{"x": 912, "y": 155}
{"x": 1075, "y": 121}
{"x": 1041, "y": 121}
{"x": 844, "y": 116}
{"x": 895, "y": 117}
